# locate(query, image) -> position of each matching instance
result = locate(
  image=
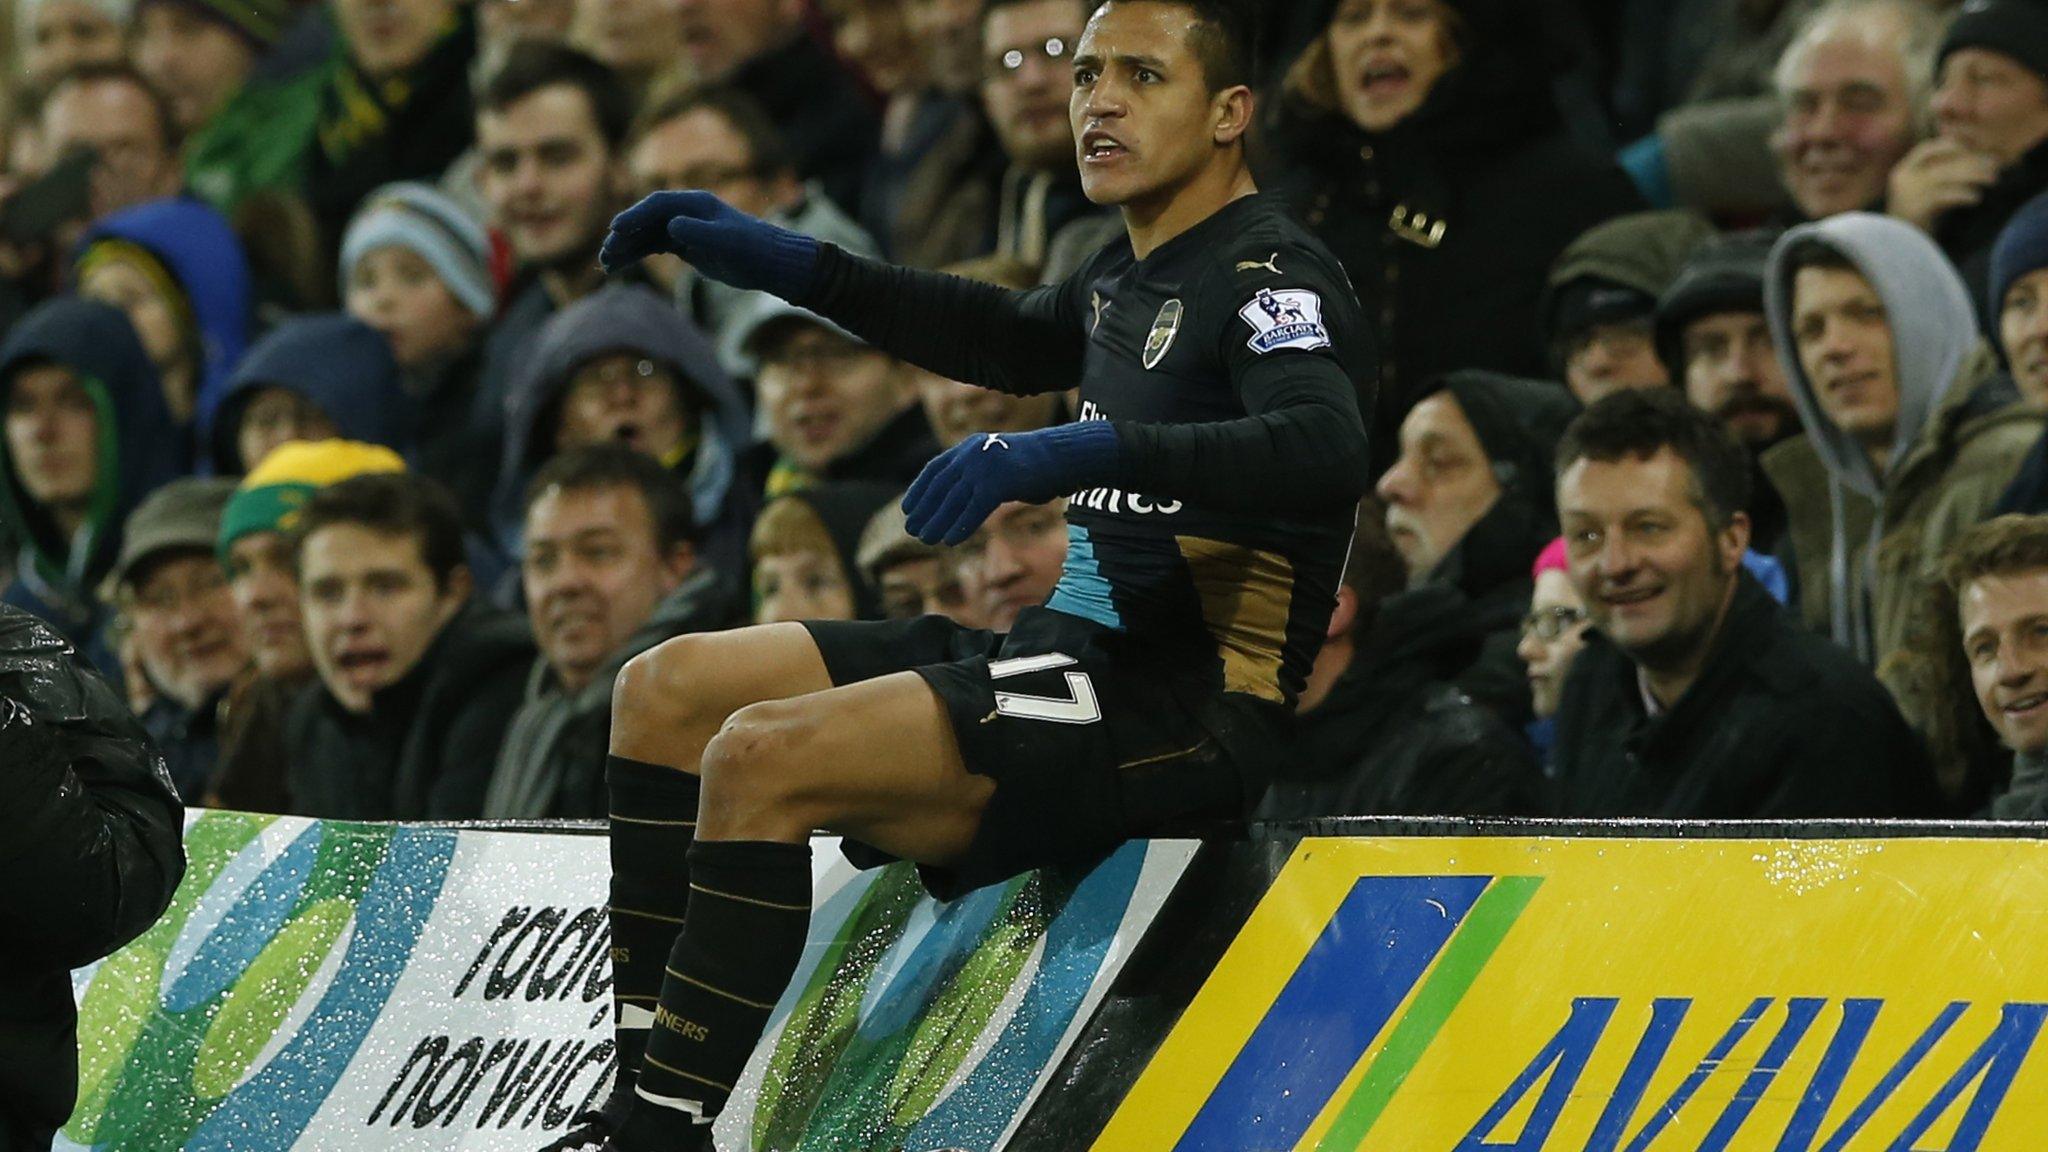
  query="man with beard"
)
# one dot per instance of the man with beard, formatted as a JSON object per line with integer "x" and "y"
{"x": 550, "y": 128}
{"x": 1696, "y": 696}
{"x": 1712, "y": 333}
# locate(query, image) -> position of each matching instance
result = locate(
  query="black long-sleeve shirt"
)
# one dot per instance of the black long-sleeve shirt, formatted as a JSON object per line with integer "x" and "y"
{"x": 1229, "y": 361}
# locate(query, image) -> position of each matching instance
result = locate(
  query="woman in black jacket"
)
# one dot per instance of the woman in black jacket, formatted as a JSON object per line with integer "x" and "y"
{"x": 1421, "y": 141}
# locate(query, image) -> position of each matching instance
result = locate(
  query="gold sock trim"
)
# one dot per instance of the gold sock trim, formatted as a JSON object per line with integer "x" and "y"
{"x": 617, "y": 819}
{"x": 715, "y": 990}
{"x": 674, "y": 1071}
{"x": 805, "y": 908}
{"x": 616, "y": 910}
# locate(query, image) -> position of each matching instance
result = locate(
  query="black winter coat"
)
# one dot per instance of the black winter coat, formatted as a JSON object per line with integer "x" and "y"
{"x": 1781, "y": 724}
{"x": 1968, "y": 234}
{"x": 1393, "y": 738}
{"x": 1448, "y": 222}
{"x": 427, "y": 746}
{"x": 91, "y": 848}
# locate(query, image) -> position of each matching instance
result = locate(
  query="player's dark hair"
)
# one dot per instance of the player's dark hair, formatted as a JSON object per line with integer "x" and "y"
{"x": 392, "y": 504}
{"x": 1637, "y": 423}
{"x": 118, "y": 72}
{"x": 1225, "y": 38}
{"x": 604, "y": 467}
{"x": 531, "y": 65}
{"x": 744, "y": 114}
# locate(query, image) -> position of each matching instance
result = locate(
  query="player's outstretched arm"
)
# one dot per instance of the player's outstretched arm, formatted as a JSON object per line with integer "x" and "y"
{"x": 1018, "y": 342}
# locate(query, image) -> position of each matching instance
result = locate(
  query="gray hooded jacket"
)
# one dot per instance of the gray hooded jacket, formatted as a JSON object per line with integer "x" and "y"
{"x": 1956, "y": 444}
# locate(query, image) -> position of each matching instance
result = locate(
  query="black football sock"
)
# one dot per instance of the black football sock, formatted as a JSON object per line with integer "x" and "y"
{"x": 653, "y": 824}
{"x": 750, "y": 910}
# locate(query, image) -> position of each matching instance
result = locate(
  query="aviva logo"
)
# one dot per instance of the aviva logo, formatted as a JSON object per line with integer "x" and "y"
{"x": 1618, "y": 996}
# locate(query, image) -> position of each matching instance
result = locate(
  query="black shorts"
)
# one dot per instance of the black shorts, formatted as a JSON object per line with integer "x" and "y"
{"x": 1089, "y": 742}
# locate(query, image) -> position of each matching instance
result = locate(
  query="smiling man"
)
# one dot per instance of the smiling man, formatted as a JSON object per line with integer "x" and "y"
{"x": 1695, "y": 696}
{"x": 416, "y": 684}
{"x": 610, "y": 572}
{"x": 1214, "y": 476}
{"x": 1911, "y": 434}
{"x": 1995, "y": 580}
{"x": 1853, "y": 101}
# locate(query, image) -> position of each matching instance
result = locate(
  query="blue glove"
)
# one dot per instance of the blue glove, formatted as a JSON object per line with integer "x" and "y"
{"x": 963, "y": 484}
{"x": 717, "y": 239}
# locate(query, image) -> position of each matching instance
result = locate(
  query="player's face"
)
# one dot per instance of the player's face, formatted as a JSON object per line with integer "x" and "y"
{"x": 372, "y": 607}
{"x": 1143, "y": 119}
{"x": 2005, "y": 639}
{"x": 1654, "y": 574}
{"x": 1439, "y": 487}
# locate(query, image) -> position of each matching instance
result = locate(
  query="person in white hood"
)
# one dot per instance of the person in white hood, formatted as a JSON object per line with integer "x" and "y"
{"x": 1912, "y": 433}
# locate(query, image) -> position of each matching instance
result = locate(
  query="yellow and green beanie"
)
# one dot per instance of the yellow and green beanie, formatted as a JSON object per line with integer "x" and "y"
{"x": 270, "y": 497}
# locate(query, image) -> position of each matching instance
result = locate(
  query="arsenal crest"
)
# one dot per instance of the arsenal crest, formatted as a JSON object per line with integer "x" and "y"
{"x": 1165, "y": 327}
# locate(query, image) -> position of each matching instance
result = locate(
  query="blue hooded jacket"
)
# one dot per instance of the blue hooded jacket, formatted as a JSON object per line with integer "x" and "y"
{"x": 341, "y": 365}
{"x": 202, "y": 251}
{"x": 632, "y": 318}
{"x": 58, "y": 579}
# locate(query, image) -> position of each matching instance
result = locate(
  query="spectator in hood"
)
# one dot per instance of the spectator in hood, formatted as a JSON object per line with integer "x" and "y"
{"x": 1990, "y": 609}
{"x": 1420, "y": 140}
{"x": 610, "y": 571}
{"x": 1552, "y": 634}
{"x": 416, "y": 267}
{"x": 395, "y": 107}
{"x": 93, "y": 831}
{"x": 176, "y": 608}
{"x": 312, "y": 378}
{"x": 1383, "y": 731}
{"x": 175, "y": 267}
{"x": 417, "y": 684}
{"x": 247, "y": 117}
{"x": 1469, "y": 508}
{"x": 58, "y": 36}
{"x": 84, "y": 443}
{"x": 835, "y": 407}
{"x": 762, "y": 48}
{"x": 1911, "y": 432}
{"x": 255, "y": 549}
{"x": 722, "y": 140}
{"x": 1695, "y": 696}
{"x": 1600, "y": 303}
{"x": 805, "y": 549}
{"x": 621, "y": 367}
{"x": 1853, "y": 85}
{"x": 910, "y": 577}
{"x": 1989, "y": 154}
{"x": 1712, "y": 334}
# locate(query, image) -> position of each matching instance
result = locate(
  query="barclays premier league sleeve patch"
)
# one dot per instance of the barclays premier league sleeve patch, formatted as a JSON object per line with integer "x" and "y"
{"x": 1286, "y": 318}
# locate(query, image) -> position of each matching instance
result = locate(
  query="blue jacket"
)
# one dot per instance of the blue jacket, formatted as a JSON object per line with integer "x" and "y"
{"x": 631, "y": 318}
{"x": 341, "y": 365}
{"x": 202, "y": 251}
{"x": 58, "y": 579}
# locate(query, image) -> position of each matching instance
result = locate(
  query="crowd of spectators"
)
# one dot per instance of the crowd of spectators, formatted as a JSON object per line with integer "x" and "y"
{"x": 1709, "y": 417}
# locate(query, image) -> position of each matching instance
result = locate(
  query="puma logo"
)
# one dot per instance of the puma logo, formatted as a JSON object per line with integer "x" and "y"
{"x": 1270, "y": 264}
{"x": 994, "y": 441}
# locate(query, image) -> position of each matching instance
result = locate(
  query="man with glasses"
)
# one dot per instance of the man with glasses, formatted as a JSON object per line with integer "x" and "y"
{"x": 1552, "y": 634}
{"x": 1599, "y": 308}
{"x": 722, "y": 140}
{"x": 178, "y": 616}
{"x": 1026, "y": 78}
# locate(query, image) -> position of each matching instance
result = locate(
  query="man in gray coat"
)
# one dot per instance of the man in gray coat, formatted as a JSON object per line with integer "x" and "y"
{"x": 610, "y": 571}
